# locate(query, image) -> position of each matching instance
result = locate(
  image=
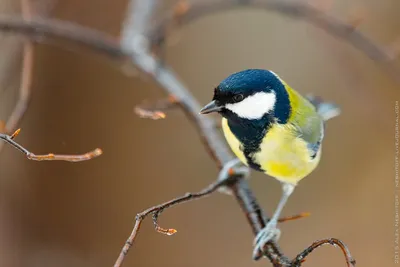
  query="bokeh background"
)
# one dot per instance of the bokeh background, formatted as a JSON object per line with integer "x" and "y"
{"x": 63, "y": 214}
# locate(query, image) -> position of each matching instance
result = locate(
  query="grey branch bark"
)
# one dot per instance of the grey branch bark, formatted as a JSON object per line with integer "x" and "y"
{"x": 135, "y": 43}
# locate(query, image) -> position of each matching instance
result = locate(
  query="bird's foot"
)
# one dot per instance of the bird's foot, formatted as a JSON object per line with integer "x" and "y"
{"x": 231, "y": 167}
{"x": 269, "y": 233}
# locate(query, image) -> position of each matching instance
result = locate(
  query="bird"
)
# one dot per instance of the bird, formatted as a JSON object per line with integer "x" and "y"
{"x": 273, "y": 129}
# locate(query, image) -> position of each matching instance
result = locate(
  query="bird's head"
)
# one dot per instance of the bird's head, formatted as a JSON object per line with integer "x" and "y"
{"x": 252, "y": 94}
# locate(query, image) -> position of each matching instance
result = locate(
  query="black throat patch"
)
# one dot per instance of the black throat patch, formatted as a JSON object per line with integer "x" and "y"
{"x": 250, "y": 133}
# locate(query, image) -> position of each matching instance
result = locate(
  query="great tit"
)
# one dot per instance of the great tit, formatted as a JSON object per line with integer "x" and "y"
{"x": 272, "y": 129}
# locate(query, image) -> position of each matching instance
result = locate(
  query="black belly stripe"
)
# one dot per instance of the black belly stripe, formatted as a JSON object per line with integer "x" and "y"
{"x": 250, "y": 134}
{"x": 248, "y": 153}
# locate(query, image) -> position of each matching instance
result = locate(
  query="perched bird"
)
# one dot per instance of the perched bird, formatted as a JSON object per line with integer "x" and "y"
{"x": 272, "y": 129}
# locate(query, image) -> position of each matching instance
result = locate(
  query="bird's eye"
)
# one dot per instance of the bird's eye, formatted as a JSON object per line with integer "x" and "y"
{"x": 238, "y": 97}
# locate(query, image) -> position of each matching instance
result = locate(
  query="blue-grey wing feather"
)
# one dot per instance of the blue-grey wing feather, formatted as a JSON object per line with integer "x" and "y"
{"x": 326, "y": 111}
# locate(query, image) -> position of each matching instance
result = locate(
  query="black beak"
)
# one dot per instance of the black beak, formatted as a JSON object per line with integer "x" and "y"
{"x": 210, "y": 107}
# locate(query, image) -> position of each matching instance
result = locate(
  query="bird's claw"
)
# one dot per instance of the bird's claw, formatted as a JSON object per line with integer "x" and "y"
{"x": 226, "y": 170}
{"x": 269, "y": 233}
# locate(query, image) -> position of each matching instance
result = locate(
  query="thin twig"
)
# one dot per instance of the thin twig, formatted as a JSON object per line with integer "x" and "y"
{"x": 347, "y": 31}
{"x": 101, "y": 42}
{"x": 294, "y": 217}
{"x": 156, "y": 110}
{"x": 26, "y": 78}
{"x": 330, "y": 241}
{"x": 39, "y": 29}
{"x": 26, "y": 75}
{"x": 48, "y": 157}
{"x": 137, "y": 51}
{"x": 24, "y": 90}
{"x": 139, "y": 48}
{"x": 168, "y": 80}
{"x": 156, "y": 210}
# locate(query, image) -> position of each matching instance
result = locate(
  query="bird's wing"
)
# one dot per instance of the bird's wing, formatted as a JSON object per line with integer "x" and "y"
{"x": 312, "y": 132}
{"x": 308, "y": 119}
{"x": 325, "y": 111}
{"x": 308, "y": 124}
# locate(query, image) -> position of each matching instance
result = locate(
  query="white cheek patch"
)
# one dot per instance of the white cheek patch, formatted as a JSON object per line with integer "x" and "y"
{"x": 255, "y": 106}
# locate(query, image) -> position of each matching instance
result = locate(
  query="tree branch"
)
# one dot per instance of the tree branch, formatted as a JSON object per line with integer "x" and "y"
{"x": 167, "y": 79}
{"x": 186, "y": 13}
{"x": 26, "y": 78}
{"x": 135, "y": 46}
{"x": 156, "y": 110}
{"x": 330, "y": 241}
{"x": 71, "y": 158}
{"x": 156, "y": 210}
{"x": 40, "y": 29}
{"x": 211, "y": 138}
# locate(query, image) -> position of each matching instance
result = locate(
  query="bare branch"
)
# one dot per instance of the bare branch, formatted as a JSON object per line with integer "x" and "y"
{"x": 108, "y": 45}
{"x": 294, "y": 217}
{"x": 39, "y": 29}
{"x": 297, "y": 10}
{"x": 22, "y": 104}
{"x": 26, "y": 75}
{"x": 211, "y": 138}
{"x": 135, "y": 27}
{"x": 71, "y": 158}
{"x": 26, "y": 78}
{"x": 331, "y": 241}
{"x": 156, "y": 210}
{"x": 95, "y": 40}
{"x": 24, "y": 90}
{"x": 156, "y": 110}
{"x": 257, "y": 221}
{"x": 135, "y": 46}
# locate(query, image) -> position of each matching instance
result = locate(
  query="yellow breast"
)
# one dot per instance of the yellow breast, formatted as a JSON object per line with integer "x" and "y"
{"x": 282, "y": 154}
{"x": 233, "y": 142}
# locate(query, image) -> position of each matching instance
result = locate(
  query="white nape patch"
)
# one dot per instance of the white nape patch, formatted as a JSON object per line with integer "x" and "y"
{"x": 254, "y": 106}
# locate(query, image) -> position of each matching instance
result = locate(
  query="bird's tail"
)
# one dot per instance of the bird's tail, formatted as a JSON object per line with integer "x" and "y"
{"x": 325, "y": 109}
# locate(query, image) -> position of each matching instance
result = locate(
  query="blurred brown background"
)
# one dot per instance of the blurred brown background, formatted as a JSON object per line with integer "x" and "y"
{"x": 63, "y": 214}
